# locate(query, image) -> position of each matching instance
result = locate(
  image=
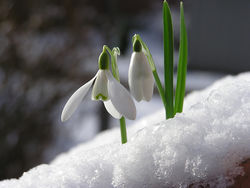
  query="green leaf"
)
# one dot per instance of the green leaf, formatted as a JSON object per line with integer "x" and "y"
{"x": 182, "y": 65}
{"x": 168, "y": 46}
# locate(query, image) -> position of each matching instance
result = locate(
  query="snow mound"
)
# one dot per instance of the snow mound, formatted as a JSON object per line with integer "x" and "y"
{"x": 203, "y": 145}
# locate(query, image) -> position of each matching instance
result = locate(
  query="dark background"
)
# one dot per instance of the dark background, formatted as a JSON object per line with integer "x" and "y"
{"x": 46, "y": 47}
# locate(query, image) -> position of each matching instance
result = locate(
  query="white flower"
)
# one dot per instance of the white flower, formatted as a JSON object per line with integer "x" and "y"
{"x": 140, "y": 77}
{"x": 115, "y": 97}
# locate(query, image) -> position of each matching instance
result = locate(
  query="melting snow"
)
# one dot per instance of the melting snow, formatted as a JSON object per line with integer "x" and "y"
{"x": 204, "y": 144}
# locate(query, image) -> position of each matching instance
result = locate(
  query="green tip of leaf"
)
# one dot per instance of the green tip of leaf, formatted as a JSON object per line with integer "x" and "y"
{"x": 103, "y": 62}
{"x": 165, "y": 3}
{"x": 181, "y": 6}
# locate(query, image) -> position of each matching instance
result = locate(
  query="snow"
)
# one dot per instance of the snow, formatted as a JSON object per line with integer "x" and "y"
{"x": 203, "y": 145}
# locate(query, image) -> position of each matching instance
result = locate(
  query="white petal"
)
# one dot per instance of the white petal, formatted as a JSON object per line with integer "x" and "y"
{"x": 100, "y": 88}
{"x": 140, "y": 77}
{"x": 121, "y": 98}
{"x": 75, "y": 100}
{"x": 134, "y": 81}
{"x": 111, "y": 109}
{"x": 148, "y": 86}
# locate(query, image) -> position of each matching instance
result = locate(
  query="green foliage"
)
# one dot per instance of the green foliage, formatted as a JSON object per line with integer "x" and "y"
{"x": 168, "y": 47}
{"x": 182, "y": 66}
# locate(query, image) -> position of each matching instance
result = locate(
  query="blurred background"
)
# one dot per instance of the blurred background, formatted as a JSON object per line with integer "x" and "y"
{"x": 49, "y": 48}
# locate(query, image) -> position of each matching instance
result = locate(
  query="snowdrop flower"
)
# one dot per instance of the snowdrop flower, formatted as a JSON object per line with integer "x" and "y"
{"x": 140, "y": 76}
{"x": 115, "y": 97}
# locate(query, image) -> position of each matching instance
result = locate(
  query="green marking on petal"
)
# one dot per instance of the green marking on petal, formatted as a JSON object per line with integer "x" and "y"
{"x": 101, "y": 97}
{"x": 100, "y": 90}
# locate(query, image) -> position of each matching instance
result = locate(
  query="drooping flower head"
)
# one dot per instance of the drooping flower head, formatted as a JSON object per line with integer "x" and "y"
{"x": 140, "y": 77}
{"x": 106, "y": 88}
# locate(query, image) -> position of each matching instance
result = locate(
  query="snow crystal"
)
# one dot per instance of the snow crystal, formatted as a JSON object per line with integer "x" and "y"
{"x": 203, "y": 145}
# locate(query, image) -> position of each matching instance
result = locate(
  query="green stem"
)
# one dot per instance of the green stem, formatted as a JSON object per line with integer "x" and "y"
{"x": 168, "y": 46}
{"x": 115, "y": 72}
{"x": 160, "y": 88}
{"x": 123, "y": 130}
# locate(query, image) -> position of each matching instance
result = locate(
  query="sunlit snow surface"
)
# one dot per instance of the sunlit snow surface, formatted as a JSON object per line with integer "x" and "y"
{"x": 204, "y": 144}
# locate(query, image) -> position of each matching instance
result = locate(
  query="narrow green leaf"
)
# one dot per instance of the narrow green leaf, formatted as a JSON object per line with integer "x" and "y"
{"x": 168, "y": 45}
{"x": 182, "y": 65}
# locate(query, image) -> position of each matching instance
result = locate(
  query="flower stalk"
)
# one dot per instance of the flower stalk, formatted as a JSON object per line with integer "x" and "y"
{"x": 113, "y": 54}
{"x": 123, "y": 130}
